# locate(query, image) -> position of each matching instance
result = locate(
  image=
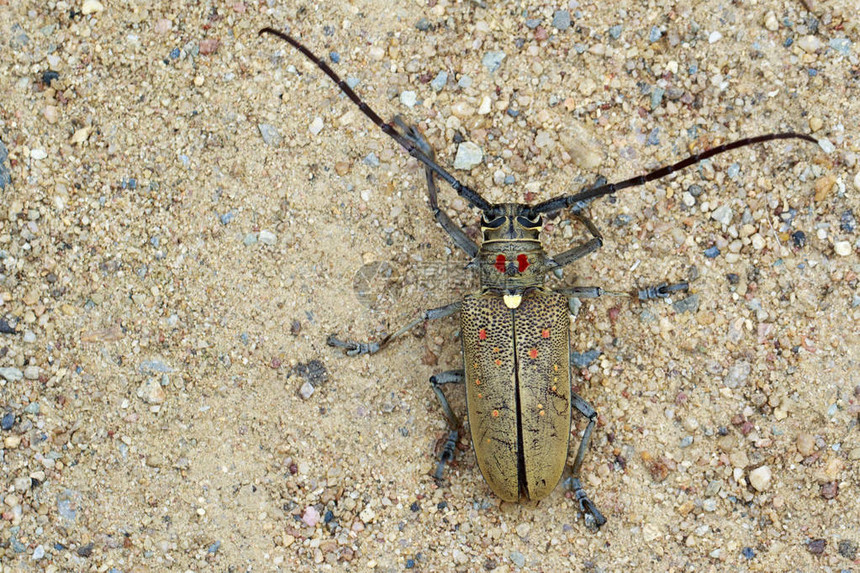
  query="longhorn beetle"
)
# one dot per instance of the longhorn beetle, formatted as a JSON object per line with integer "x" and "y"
{"x": 514, "y": 330}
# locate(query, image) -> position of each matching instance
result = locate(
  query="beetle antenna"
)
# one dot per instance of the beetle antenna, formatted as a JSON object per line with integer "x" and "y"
{"x": 465, "y": 192}
{"x": 565, "y": 201}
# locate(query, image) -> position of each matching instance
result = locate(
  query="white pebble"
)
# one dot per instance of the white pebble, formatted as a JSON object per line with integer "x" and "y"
{"x": 809, "y": 44}
{"x": 843, "y": 248}
{"x": 758, "y": 242}
{"x": 91, "y": 7}
{"x": 857, "y": 181}
{"x": 770, "y": 22}
{"x": 408, "y": 98}
{"x": 826, "y": 146}
{"x": 468, "y": 156}
{"x": 268, "y": 237}
{"x": 486, "y": 106}
{"x": 316, "y": 125}
{"x": 760, "y": 478}
{"x": 38, "y": 154}
{"x": 723, "y": 215}
{"x": 714, "y": 37}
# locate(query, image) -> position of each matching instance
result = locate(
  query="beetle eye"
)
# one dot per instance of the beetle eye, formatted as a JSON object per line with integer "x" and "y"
{"x": 494, "y": 224}
{"x": 529, "y": 223}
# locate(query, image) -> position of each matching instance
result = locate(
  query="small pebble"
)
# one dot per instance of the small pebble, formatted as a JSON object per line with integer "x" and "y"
{"x": 847, "y": 549}
{"x": 809, "y": 44}
{"x": 408, "y": 98}
{"x": 91, "y": 7}
{"x": 267, "y": 237}
{"x": 771, "y": 22}
{"x": 816, "y": 546}
{"x": 760, "y": 478}
{"x": 712, "y": 252}
{"x": 518, "y": 559}
{"x": 688, "y": 304}
{"x": 561, "y": 20}
{"x": 492, "y": 60}
{"x": 306, "y": 391}
{"x": 468, "y": 156}
{"x": 805, "y": 444}
{"x": 655, "y": 34}
{"x": 714, "y": 37}
{"x": 11, "y": 374}
{"x": 32, "y": 372}
{"x": 311, "y": 516}
{"x": 7, "y": 422}
{"x": 316, "y": 125}
{"x": 841, "y": 45}
{"x": 151, "y": 392}
{"x": 270, "y": 133}
{"x": 843, "y": 248}
{"x": 799, "y": 239}
{"x": 826, "y": 146}
{"x": 738, "y": 374}
{"x": 723, "y": 215}
{"x": 615, "y": 31}
{"x": 439, "y": 81}
{"x": 423, "y": 24}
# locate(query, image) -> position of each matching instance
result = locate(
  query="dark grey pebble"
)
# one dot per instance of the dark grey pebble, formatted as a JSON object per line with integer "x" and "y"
{"x": 584, "y": 359}
{"x": 7, "y": 421}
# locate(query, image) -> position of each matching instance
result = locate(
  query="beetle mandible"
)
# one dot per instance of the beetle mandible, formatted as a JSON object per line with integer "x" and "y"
{"x": 514, "y": 330}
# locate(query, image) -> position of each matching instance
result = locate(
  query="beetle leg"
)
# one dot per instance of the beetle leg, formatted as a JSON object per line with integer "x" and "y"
{"x": 358, "y": 348}
{"x": 663, "y": 290}
{"x": 456, "y": 233}
{"x": 447, "y": 454}
{"x": 593, "y": 518}
{"x": 576, "y": 253}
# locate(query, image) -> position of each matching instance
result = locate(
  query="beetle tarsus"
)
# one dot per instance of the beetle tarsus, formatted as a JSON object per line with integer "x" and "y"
{"x": 353, "y": 348}
{"x": 447, "y": 454}
{"x": 593, "y": 518}
{"x": 662, "y": 290}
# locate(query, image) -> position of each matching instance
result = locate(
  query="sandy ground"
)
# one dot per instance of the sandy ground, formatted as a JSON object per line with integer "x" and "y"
{"x": 170, "y": 277}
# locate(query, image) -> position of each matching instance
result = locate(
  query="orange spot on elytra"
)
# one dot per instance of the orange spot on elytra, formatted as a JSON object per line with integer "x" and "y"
{"x": 541, "y": 413}
{"x": 482, "y": 334}
{"x": 498, "y": 362}
{"x": 480, "y": 395}
{"x": 495, "y": 413}
{"x": 477, "y": 382}
{"x": 495, "y": 349}
{"x": 555, "y": 367}
{"x": 533, "y": 353}
{"x": 545, "y": 333}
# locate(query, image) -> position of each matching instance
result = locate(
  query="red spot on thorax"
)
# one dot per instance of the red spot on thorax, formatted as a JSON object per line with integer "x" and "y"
{"x": 533, "y": 353}
{"x": 522, "y": 262}
{"x": 482, "y": 334}
{"x": 500, "y": 263}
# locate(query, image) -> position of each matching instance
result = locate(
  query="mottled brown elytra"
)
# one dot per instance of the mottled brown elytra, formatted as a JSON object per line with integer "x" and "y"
{"x": 514, "y": 330}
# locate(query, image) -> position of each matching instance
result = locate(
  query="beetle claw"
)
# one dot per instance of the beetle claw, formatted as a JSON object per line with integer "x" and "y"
{"x": 447, "y": 454}
{"x": 593, "y": 518}
{"x": 351, "y": 347}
